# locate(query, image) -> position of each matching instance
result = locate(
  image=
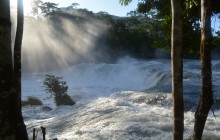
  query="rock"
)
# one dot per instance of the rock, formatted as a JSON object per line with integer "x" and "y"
{"x": 46, "y": 108}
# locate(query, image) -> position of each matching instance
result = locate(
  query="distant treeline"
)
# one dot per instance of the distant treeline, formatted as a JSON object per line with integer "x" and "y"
{"x": 111, "y": 37}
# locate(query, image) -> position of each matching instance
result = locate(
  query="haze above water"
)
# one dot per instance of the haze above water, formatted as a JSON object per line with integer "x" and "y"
{"x": 130, "y": 99}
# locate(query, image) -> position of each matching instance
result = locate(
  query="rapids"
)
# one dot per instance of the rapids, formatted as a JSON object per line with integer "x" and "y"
{"x": 128, "y": 100}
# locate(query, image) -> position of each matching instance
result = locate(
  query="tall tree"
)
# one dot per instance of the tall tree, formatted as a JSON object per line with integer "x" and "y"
{"x": 74, "y": 5}
{"x": 11, "y": 122}
{"x": 191, "y": 22}
{"x": 206, "y": 98}
{"x": 21, "y": 129}
{"x": 177, "y": 7}
{"x": 177, "y": 68}
{"x": 35, "y": 7}
{"x": 7, "y": 98}
{"x": 44, "y": 8}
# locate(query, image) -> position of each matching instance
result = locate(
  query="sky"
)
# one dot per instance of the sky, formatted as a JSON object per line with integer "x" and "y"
{"x": 113, "y": 7}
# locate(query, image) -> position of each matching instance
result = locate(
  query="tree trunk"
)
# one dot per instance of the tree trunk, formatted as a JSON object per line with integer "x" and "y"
{"x": 206, "y": 98}
{"x": 11, "y": 122}
{"x": 21, "y": 129}
{"x": 7, "y": 98}
{"x": 177, "y": 68}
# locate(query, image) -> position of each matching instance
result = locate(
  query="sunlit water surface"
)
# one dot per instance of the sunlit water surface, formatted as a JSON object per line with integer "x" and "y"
{"x": 128, "y": 100}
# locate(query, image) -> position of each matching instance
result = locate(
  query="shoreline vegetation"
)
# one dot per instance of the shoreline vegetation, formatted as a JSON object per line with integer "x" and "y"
{"x": 96, "y": 37}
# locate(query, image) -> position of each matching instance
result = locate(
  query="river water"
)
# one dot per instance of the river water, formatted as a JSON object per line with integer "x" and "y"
{"x": 127, "y": 100}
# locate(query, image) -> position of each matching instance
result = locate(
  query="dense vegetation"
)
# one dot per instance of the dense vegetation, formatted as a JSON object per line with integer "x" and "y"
{"x": 71, "y": 35}
{"x": 142, "y": 34}
{"x": 121, "y": 36}
{"x": 58, "y": 89}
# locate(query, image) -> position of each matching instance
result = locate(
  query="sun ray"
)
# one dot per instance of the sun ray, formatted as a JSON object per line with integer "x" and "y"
{"x": 27, "y": 6}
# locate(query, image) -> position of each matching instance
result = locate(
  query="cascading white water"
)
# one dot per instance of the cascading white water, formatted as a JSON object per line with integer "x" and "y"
{"x": 127, "y": 100}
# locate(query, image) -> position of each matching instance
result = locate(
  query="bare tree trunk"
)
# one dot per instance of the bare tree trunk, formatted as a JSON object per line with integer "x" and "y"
{"x": 206, "y": 98}
{"x": 34, "y": 134}
{"x": 7, "y": 98}
{"x": 21, "y": 128}
{"x": 43, "y": 132}
{"x": 11, "y": 122}
{"x": 177, "y": 68}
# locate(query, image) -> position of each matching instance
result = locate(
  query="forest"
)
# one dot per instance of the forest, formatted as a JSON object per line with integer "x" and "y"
{"x": 104, "y": 37}
{"x": 110, "y": 37}
{"x": 142, "y": 34}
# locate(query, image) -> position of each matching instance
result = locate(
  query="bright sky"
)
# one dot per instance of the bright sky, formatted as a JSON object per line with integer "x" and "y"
{"x": 111, "y": 6}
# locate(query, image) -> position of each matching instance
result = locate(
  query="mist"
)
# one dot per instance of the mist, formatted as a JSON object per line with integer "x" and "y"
{"x": 128, "y": 99}
{"x": 59, "y": 42}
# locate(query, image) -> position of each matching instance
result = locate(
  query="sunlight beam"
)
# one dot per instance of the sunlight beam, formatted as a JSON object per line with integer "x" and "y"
{"x": 27, "y": 6}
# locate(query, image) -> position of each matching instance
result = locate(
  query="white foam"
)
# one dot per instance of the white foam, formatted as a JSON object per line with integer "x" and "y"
{"x": 110, "y": 104}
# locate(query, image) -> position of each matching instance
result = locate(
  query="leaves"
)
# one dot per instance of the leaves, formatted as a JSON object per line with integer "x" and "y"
{"x": 44, "y": 8}
{"x": 124, "y": 2}
{"x": 55, "y": 85}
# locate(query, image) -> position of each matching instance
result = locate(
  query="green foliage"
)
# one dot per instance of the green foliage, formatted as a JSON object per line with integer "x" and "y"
{"x": 57, "y": 88}
{"x": 32, "y": 101}
{"x": 48, "y": 7}
{"x": 137, "y": 35}
{"x": 124, "y": 2}
{"x": 216, "y": 40}
{"x": 132, "y": 36}
{"x": 35, "y": 6}
{"x": 74, "y": 5}
{"x": 191, "y": 32}
{"x": 164, "y": 38}
{"x": 43, "y": 8}
{"x": 148, "y": 26}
